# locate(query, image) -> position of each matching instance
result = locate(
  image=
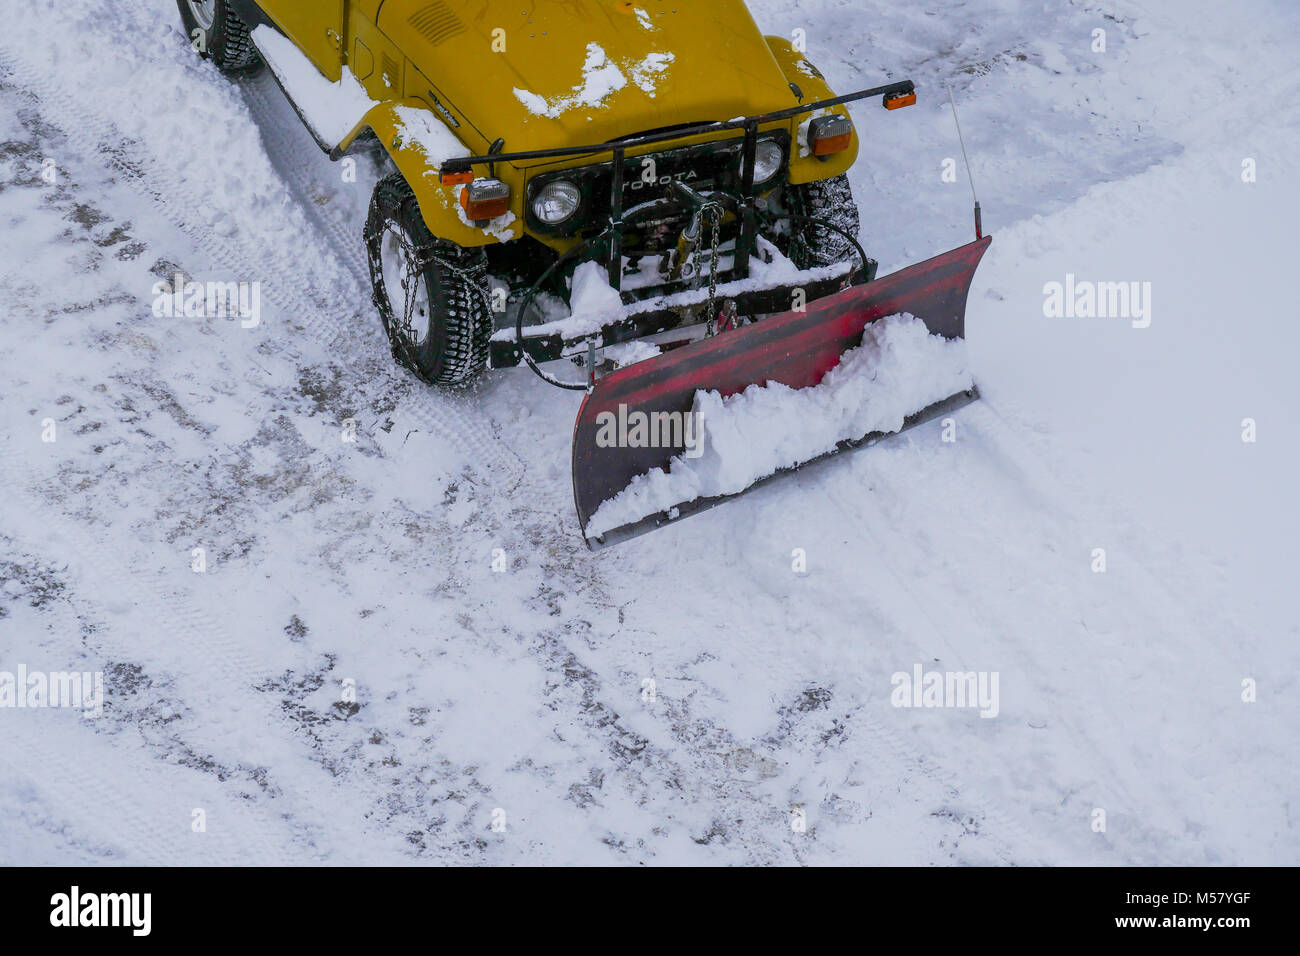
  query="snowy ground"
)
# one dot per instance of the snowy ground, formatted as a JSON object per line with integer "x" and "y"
{"x": 517, "y": 696}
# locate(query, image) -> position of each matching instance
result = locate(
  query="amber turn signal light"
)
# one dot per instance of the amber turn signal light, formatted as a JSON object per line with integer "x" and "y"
{"x": 485, "y": 199}
{"x": 828, "y": 135}
{"x": 896, "y": 101}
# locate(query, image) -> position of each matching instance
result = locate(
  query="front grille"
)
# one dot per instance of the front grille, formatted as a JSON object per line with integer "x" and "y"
{"x": 709, "y": 166}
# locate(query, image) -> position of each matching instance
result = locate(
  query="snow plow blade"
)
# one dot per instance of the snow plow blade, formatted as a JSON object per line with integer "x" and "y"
{"x": 795, "y": 349}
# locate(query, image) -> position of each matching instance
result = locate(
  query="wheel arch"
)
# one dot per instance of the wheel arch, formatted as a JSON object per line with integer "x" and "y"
{"x": 799, "y": 70}
{"x": 439, "y": 204}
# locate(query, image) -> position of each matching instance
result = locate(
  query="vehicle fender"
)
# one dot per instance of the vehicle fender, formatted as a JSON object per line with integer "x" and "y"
{"x": 409, "y": 131}
{"x": 801, "y": 72}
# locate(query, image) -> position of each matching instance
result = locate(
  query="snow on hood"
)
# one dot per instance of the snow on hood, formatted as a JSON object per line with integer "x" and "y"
{"x": 589, "y": 72}
{"x": 601, "y": 79}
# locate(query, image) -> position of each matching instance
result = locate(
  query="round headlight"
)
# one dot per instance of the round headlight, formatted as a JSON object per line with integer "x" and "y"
{"x": 767, "y": 161}
{"x": 555, "y": 202}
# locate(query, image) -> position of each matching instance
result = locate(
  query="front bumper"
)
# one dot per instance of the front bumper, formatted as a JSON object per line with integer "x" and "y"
{"x": 546, "y": 343}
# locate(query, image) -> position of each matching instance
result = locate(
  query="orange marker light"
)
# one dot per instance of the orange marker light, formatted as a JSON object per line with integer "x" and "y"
{"x": 899, "y": 100}
{"x": 456, "y": 179}
{"x": 485, "y": 199}
{"x": 830, "y": 145}
{"x": 828, "y": 135}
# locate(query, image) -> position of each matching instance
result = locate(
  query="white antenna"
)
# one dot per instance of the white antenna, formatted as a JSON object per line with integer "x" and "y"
{"x": 979, "y": 225}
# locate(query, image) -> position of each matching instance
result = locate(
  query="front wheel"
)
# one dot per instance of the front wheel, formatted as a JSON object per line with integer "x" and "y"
{"x": 811, "y": 245}
{"x": 217, "y": 34}
{"x": 432, "y": 295}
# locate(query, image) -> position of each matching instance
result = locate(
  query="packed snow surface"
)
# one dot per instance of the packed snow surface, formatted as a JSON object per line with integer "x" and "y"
{"x": 899, "y": 369}
{"x": 354, "y": 621}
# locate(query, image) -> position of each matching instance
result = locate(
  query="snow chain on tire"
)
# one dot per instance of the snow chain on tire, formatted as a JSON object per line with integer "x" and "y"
{"x": 228, "y": 44}
{"x": 456, "y": 276}
{"x": 814, "y": 245}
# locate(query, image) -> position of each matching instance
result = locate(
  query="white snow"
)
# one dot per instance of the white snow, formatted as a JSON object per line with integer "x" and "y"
{"x": 647, "y": 72}
{"x": 533, "y": 103}
{"x": 500, "y": 227}
{"x": 629, "y": 353}
{"x": 333, "y": 110}
{"x": 432, "y": 569}
{"x": 602, "y": 77}
{"x": 801, "y": 137}
{"x": 900, "y": 368}
{"x": 429, "y": 133}
{"x": 597, "y": 312}
{"x": 593, "y": 304}
{"x": 426, "y": 131}
{"x": 593, "y": 300}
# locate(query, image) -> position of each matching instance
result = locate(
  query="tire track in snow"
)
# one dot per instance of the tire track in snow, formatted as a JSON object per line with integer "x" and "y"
{"x": 296, "y": 156}
{"x": 80, "y": 771}
{"x": 201, "y": 641}
{"x": 200, "y": 647}
{"x": 294, "y": 153}
{"x": 176, "y": 200}
{"x": 236, "y": 252}
{"x": 162, "y": 190}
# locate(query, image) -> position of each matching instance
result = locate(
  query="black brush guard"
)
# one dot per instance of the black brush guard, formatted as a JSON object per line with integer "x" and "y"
{"x": 647, "y": 319}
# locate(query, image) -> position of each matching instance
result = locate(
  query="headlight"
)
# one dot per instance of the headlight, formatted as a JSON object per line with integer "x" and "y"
{"x": 767, "y": 161}
{"x": 555, "y": 202}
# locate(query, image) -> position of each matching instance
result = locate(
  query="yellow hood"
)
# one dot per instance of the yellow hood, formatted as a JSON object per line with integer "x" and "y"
{"x": 553, "y": 73}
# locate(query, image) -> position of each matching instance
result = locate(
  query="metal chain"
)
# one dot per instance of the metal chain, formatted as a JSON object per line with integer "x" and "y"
{"x": 471, "y": 280}
{"x": 402, "y": 344}
{"x": 713, "y": 210}
{"x": 416, "y": 261}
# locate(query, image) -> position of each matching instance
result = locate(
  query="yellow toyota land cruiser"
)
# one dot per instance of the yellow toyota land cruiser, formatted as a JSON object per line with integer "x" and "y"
{"x": 667, "y": 152}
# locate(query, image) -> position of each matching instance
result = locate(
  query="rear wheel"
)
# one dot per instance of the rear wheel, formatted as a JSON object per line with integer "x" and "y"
{"x": 217, "y": 34}
{"x": 810, "y": 244}
{"x": 431, "y": 294}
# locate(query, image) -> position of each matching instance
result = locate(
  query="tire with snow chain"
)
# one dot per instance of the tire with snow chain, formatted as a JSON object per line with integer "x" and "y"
{"x": 217, "y": 33}
{"x": 432, "y": 295}
{"x": 811, "y": 245}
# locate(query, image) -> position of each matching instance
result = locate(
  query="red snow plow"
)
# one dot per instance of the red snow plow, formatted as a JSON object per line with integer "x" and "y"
{"x": 719, "y": 362}
{"x": 796, "y": 349}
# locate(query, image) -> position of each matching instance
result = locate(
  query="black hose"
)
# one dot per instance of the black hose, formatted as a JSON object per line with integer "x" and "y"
{"x": 817, "y": 221}
{"x": 527, "y": 300}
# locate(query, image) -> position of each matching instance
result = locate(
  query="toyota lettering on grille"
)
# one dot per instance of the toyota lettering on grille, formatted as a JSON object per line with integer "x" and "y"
{"x": 637, "y": 185}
